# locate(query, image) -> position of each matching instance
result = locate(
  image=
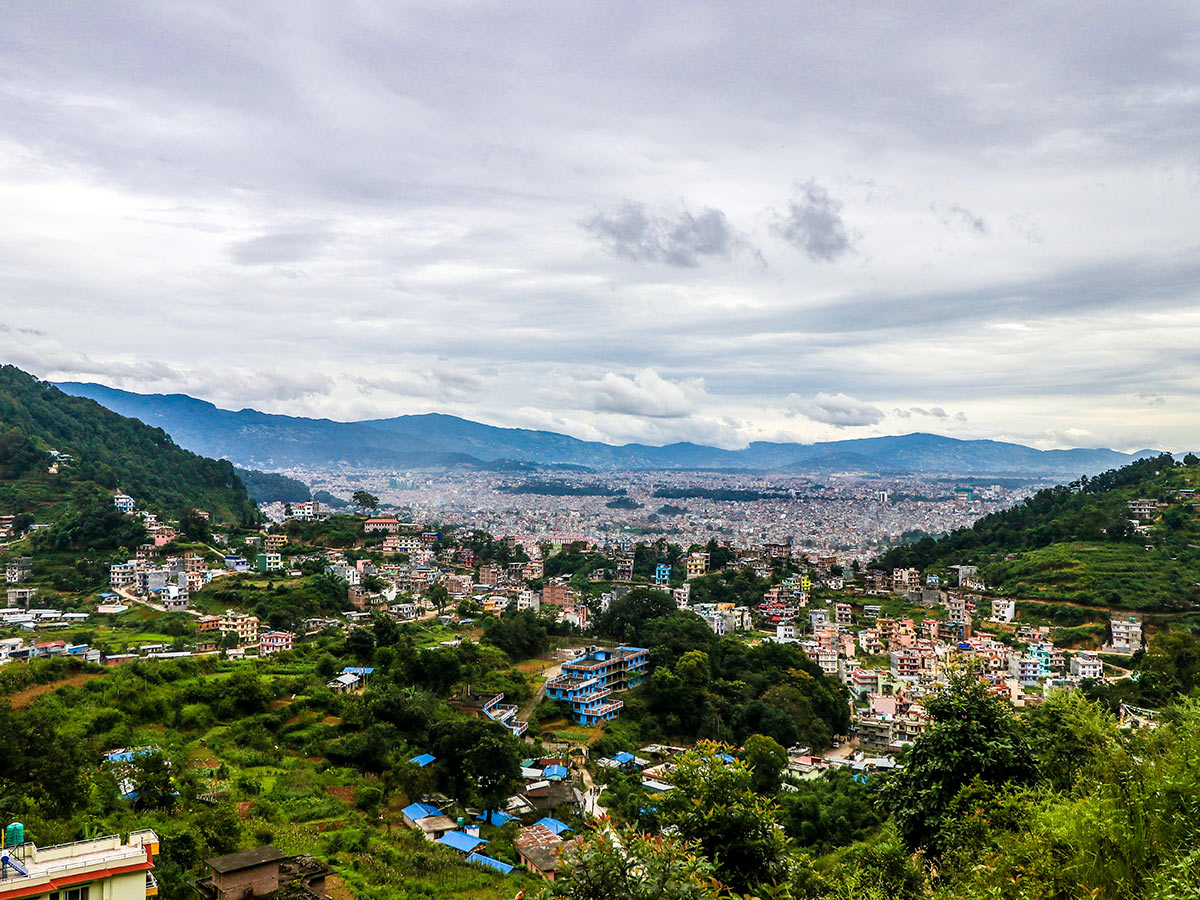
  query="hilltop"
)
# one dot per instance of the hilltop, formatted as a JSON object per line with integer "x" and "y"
{"x": 261, "y": 440}
{"x": 1081, "y": 544}
{"x": 55, "y": 449}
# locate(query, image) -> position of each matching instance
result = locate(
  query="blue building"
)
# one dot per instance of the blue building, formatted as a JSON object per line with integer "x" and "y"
{"x": 587, "y": 683}
{"x": 662, "y": 574}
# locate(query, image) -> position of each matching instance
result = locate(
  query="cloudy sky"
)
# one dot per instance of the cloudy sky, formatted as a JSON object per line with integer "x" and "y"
{"x": 622, "y": 220}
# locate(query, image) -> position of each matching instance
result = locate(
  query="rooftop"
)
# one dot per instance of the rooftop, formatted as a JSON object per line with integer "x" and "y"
{"x": 46, "y": 869}
{"x": 245, "y": 859}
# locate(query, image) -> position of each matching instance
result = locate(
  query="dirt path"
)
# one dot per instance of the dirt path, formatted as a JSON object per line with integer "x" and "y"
{"x": 21, "y": 699}
{"x": 540, "y": 694}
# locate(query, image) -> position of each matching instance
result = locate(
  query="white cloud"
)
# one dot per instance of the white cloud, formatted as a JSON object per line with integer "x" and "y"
{"x": 645, "y": 393}
{"x": 835, "y": 409}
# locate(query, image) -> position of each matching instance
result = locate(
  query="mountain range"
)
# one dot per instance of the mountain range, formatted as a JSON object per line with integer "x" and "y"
{"x": 260, "y": 440}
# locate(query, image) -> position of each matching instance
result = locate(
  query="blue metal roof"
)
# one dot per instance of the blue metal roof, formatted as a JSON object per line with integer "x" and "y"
{"x": 423, "y": 760}
{"x": 491, "y": 863}
{"x": 461, "y": 841}
{"x": 495, "y": 817}
{"x": 623, "y": 757}
{"x": 417, "y": 811}
{"x": 357, "y": 670}
{"x": 555, "y": 772}
{"x": 553, "y": 824}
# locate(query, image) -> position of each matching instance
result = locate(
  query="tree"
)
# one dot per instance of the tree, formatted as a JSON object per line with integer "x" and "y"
{"x": 715, "y": 805}
{"x": 151, "y": 777}
{"x": 620, "y": 863}
{"x": 1069, "y": 734}
{"x": 193, "y": 526}
{"x": 974, "y": 736}
{"x": 365, "y": 500}
{"x": 1191, "y": 459}
{"x": 439, "y": 596}
{"x": 360, "y": 644}
{"x": 626, "y": 615}
{"x": 767, "y": 761}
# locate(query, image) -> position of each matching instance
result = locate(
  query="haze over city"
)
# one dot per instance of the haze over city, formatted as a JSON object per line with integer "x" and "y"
{"x": 706, "y": 222}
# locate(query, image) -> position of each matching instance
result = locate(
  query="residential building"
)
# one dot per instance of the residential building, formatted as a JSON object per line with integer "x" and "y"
{"x": 1085, "y": 664}
{"x": 124, "y": 503}
{"x": 1143, "y": 508}
{"x": 244, "y": 626}
{"x": 697, "y": 565}
{"x": 587, "y": 683}
{"x": 105, "y": 868}
{"x": 558, "y": 593}
{"x": 22, "y": 597}
{"x": 272, "y": 642}
{"x": 123, "y": 575}
{"x": 1003, "y": 610}
{"x": 17, "y": 570}
{"x": 490, "y": 705}
{"x": 662, "y": 574}
{"x": 269, "y": 562}
{"x": 260, "y": 872}
{"x": 383, "y": 525}
{"x": 1126, "y": 635}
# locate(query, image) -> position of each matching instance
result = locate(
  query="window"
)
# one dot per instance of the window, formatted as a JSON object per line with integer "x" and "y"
{"x": 79, "y": 893}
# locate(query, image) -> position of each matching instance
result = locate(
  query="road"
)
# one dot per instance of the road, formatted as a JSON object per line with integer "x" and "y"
{"x": 126, "y": 594}
{"x": 591, "y": 796}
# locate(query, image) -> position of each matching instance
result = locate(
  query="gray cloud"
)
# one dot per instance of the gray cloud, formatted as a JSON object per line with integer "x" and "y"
{"x": 684, "y": 240}
{"x": 834, "y": 409}
{"x": 435, "y": 384}
{"x": 207, "y": 190}
{"x": 284, "y": 247}
{"x": 813, "y": 224}
{"x": 958, "y": 216}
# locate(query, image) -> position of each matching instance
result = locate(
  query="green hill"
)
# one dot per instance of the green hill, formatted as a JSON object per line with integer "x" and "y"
{"x": 1076, "y": 545}
{"x": 57, "y": 451}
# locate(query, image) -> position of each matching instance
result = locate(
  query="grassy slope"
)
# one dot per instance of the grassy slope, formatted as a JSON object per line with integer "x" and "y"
{"x": 1161, "y": 579}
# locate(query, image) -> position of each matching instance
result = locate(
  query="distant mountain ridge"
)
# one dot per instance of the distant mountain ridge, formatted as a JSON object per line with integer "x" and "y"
{"x": 267, "y": 441}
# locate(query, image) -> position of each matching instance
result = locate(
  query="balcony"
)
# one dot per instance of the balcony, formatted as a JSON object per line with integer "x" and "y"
{"x": 151, "y": 885}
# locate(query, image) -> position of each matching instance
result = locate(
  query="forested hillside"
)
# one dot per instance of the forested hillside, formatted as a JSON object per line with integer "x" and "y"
{"x": 55, "y": 449}
{"x": 1080, "y": 543}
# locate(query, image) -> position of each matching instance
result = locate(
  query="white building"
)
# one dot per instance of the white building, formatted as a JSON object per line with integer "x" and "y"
{"x": 1086, "y": 664}
{"x": 1004, "y": 610}
{"x": 1126, "y": 635}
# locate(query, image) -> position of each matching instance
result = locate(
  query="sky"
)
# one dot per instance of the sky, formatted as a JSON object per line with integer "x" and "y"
{"x": 625, "y": 221}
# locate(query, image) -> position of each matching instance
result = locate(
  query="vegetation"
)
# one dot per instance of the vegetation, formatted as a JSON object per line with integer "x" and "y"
{"x": 271, "y": 487}
{"x": 94, "y": 451}
{"x": 1077, "y": 544}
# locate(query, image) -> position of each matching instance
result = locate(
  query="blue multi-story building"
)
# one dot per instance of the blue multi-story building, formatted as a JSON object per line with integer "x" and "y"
{"x": 662, "y": 574}
{"x": 587, "y": 683}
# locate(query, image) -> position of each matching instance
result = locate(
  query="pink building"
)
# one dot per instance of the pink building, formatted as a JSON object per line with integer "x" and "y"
{"x": 272, "y": 642}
